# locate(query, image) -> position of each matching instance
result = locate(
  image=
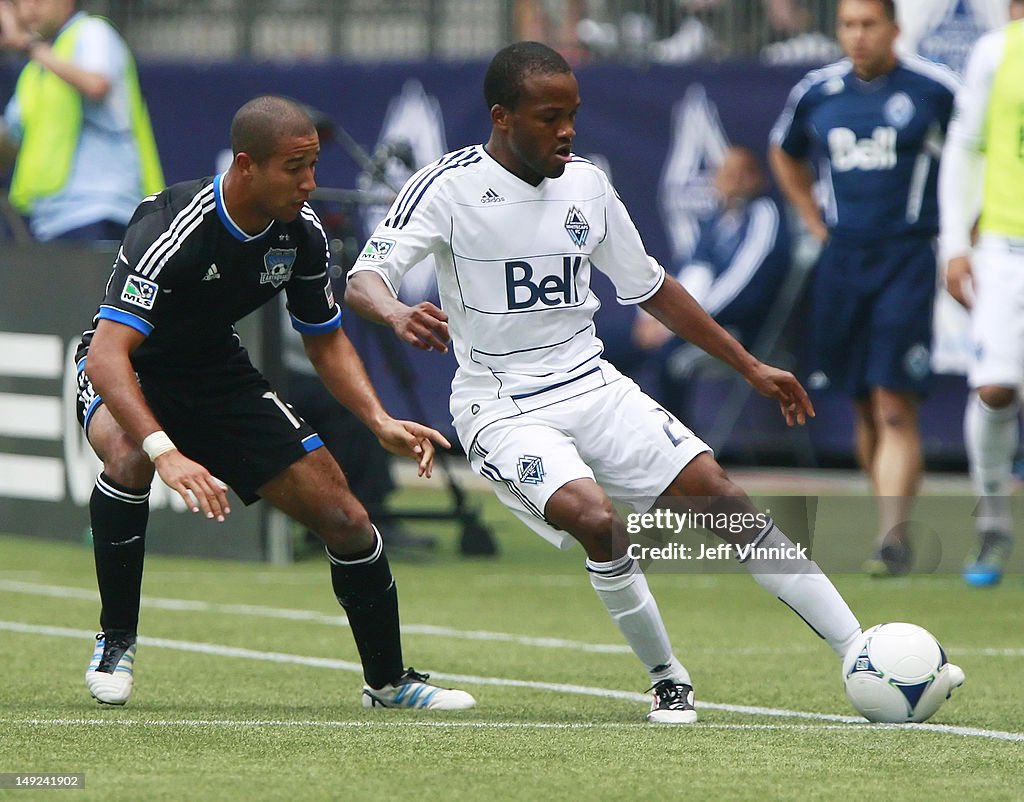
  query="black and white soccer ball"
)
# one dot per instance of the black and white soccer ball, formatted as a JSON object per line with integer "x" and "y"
{"x": 898, "y": 672}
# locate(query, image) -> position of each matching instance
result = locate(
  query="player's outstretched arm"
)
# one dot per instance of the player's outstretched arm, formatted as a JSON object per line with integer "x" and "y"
{"x": 784, "y": 387}
{"x": 679, "y": 312}
{"x": 423, "y": 325}
{"x": 110, "y": 371}
{"x": 344, "y": 375}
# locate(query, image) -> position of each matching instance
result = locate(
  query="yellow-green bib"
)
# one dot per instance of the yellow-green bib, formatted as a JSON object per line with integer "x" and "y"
{"x": 51, "y": 117}
{"x": 1002, "y": 209}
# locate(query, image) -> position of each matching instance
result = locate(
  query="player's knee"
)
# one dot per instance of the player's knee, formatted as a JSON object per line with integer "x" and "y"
{"x": 592, "y": 524}
{"x": 704, "y": 478}
{"x": 127, "y": 464}
{"x": 898, "y": 420}
{"x": 996, "y": 397}
{"x": 344, "y": 530}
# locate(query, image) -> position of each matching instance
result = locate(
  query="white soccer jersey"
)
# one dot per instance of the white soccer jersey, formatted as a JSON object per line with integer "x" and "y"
{"x": 513, "y": 271}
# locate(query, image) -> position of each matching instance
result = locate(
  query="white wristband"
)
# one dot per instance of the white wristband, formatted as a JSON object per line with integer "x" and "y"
{"x": 156, "y": 444}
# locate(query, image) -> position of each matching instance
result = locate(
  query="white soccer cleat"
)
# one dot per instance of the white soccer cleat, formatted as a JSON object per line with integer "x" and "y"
{"x": 412, "y": 691}
{"x": 109, "y": 676}
{"x": 672, "y": 703}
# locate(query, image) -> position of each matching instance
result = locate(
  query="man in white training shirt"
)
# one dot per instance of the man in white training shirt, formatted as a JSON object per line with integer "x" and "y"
{"x": 515, "y": 227}
{"x": 982, "y": 171}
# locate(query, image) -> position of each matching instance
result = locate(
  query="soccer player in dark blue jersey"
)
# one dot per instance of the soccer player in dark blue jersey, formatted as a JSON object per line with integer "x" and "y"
{"x": 874, "y": 123}
{"x": 166, "y": 387}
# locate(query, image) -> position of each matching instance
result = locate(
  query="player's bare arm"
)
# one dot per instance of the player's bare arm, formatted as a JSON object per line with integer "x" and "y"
{"x": 344, "y": 375}
{"x": 678, "y": 311}
{"x": 423, "y": 325}
{"x": 110, "y": 370}
{"x": 796, "y": 180}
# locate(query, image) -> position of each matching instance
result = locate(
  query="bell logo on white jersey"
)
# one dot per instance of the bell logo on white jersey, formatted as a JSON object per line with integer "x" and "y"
{"x": 522, "y": 292}
{"x": 849, "y": 153}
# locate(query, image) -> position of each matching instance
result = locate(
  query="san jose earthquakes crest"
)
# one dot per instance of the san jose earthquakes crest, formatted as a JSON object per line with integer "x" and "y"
{"x": 277, "y": 264}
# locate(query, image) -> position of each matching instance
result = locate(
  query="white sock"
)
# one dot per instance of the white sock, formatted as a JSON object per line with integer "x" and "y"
{"x": 800, "y": 585}
{"x": 622, "y": 587}
{"x": 991, "y": 439}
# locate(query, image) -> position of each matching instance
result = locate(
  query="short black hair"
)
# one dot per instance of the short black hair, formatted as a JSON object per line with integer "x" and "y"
{"x": 888, "y": 8}
{"x": 261, "y": 123}
{"x": 503, "y": 83}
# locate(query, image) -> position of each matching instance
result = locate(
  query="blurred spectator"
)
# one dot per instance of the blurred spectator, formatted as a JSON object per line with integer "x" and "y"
{"x": 740, "y": 260}
{"x": 553, "y": 22}
{"x": 946, "y": 30}
{"x": 85, "y": 150}
{"x": 678, "y": 31}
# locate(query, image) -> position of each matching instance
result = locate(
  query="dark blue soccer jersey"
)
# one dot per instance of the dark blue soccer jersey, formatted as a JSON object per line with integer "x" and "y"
{"x": 186, "y": 273}
{"x": 877, "y": 144}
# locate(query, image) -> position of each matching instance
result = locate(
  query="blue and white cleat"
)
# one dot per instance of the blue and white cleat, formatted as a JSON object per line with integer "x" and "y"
{"x": 987, "y": 567}
{"x": 109, "y": 676}
{"x": 412, "y": 692}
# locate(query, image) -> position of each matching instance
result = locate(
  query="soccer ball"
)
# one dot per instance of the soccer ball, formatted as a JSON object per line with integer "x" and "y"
{"x": 898, "y": 673}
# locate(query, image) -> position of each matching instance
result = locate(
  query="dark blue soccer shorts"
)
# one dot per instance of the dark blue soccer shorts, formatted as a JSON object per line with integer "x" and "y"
{"x": 225, "y": 417}
{"x": 871, "y": 314}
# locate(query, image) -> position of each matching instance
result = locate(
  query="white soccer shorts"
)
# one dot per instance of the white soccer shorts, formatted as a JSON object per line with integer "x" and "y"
{"x": 997, "y": 317}
{"x": 616, "y": 435}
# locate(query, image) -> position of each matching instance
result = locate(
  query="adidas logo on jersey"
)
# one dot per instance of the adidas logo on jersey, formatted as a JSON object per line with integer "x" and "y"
{"x": 212, "y": 273}
{"x": 490, "y": 196}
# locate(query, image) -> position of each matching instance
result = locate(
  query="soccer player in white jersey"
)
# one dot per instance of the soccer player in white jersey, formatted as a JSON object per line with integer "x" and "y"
{"x": 515, "y": 226}
{"x": 983, "y": 170}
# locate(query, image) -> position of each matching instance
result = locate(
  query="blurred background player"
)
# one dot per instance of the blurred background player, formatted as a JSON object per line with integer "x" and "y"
{"x": 77, "y": 121}
{"x": 982, "y": 170}
{"x": 738, "y": 264}
{"x": 878, "y": 122}
{"x": 165, "y": 386}
{"x": 516, "y": 226}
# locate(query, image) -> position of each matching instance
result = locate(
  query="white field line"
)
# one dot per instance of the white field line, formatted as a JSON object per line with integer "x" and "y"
{"x": 471, "y": 679}
{"x": 259, "y": 611}
{"x": 466, "y": 725}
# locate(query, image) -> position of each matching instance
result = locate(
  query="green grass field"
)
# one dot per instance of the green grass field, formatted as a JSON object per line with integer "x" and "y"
{"x": 246, "y": 687}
